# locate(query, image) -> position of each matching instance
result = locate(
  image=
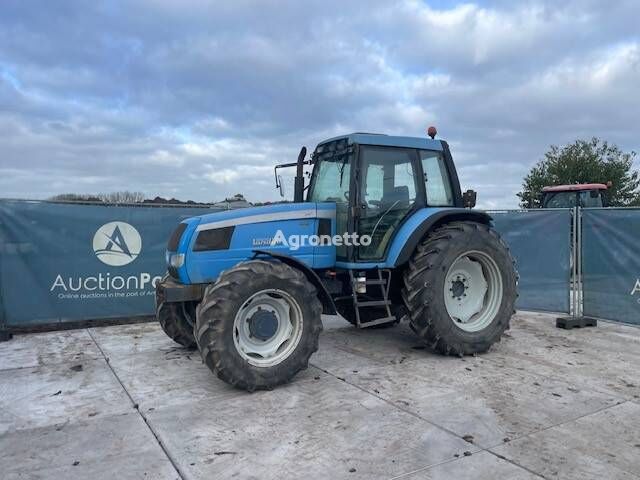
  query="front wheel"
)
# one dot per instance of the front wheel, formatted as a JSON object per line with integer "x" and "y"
{"x": 460, "y": 288}
{"x": 259, "y": 324}
{"x": 176, "y": 319}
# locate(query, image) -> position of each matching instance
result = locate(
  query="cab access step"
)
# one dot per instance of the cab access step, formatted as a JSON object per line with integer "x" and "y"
{"x": 363, "y": 308}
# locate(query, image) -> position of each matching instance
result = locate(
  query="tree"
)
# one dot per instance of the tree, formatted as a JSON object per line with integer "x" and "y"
{"x": 584, "y": 161}
{"x": 122, "y": 197}
{"x": 75, "y": 197}
{"x": 113, "y": 197}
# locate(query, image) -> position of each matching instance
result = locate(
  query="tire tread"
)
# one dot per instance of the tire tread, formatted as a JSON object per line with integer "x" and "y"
{"x": 418, "y": 292}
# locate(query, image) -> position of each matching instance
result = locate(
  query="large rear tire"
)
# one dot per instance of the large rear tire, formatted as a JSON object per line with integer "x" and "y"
{"x": 177, "y": 320}
{"x": 259, "y": 324}
{"x": 460, "y": 288}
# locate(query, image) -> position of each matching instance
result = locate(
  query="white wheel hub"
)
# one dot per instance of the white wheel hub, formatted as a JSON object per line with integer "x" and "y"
{"x": 473, "y": 291}
{"x": 267, "y": 327}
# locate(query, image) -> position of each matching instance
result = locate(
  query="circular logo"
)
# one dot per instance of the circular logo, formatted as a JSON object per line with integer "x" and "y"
{"x": 117, "y": 243}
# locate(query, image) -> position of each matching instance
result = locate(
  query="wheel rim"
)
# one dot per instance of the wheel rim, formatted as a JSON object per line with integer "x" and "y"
{"x": 267, "y": 327}
{"x": 473, "y": 291}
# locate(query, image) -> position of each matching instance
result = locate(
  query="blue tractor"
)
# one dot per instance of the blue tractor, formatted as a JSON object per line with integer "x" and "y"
{"x": 384, "y": 233}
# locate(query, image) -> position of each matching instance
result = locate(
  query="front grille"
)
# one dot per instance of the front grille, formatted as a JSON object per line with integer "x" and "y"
{"x": 174, "y": 240}
{"x": 214, "y": 239}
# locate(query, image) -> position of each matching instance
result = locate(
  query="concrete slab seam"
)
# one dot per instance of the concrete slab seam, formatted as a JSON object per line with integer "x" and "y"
{"x": 549, "y": 377}
{"x": 480, "y": 449}
{"x": 135, "y": 406}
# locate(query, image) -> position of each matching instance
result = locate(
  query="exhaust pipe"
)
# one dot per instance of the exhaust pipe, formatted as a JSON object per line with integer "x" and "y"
{"x": 298, "y": 186}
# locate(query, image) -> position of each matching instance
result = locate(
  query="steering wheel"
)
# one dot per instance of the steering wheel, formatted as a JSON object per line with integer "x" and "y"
{"x": 346, "y": 195}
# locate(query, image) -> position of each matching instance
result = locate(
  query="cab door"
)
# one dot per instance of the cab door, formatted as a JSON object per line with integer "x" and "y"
{"x": 389, "y": 190}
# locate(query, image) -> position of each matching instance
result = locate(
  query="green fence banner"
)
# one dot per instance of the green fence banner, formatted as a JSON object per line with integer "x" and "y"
{"x": 73, "y": 262}
{"x": 540, "y": 242}
{"x": 611, "y": 264}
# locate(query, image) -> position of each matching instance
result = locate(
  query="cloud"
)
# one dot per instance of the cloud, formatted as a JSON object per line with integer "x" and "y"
{"x": 224, "y": 176}
{"x": 199, "y": 101}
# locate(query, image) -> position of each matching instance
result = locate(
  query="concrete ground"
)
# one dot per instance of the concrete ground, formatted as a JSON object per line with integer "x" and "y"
{"x": 125, "y": 402}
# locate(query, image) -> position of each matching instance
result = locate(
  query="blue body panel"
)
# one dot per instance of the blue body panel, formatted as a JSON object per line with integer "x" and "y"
{"x": 205, "y": 267}
{"x": 408, "y": 227}
{"x": 183, "y": 246}
{"x": 254, "y": 229}
{"x": 400, "y": 239}
{"x": 247, "y": 212}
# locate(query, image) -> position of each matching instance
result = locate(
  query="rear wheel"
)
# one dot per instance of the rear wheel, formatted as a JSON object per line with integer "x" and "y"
{"x": 460, "y": 288}
{"x": 258, "y": 324}
{"x": 177, "y": 319}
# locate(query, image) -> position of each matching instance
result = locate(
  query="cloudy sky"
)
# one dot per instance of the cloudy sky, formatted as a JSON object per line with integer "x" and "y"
{"x": 198, "y": 100}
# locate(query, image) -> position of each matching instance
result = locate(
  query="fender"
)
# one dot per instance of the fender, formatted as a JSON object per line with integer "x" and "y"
{"x": 422, "y": 222}
{"x": 328, "y": 307}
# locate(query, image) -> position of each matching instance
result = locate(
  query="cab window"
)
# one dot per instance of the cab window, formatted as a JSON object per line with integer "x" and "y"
{"x": 388, "y": 192}
{"x": 591, "y": 199}
{"x": 436, "y": 179}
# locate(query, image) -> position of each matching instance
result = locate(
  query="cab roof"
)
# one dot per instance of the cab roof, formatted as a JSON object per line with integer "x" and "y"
{"x": 388, "y": 140}
{"x": 575, "y": 187}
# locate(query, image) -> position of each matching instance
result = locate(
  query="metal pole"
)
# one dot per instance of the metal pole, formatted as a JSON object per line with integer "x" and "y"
{"x": 579, "y": 259}
{"x": 5, "y": 335}
{"x": 574, "y": 257}
{"x": 576, "y": 319}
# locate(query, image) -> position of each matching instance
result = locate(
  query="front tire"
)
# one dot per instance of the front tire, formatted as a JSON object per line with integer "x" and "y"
{"x": 259, "y": 324}
{"x": 460, "y": 288}
{"x": 177, "y": 320}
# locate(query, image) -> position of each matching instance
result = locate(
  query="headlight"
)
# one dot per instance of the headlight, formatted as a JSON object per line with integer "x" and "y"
{"x": 176, "y": 260}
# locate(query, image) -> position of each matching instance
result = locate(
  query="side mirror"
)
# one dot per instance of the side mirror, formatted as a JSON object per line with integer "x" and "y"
{"x": 469, "y": 199}
{"x": 280, "y": 186}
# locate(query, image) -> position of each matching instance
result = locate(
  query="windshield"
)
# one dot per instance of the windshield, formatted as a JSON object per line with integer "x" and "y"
{"x": 331, "y": 174}
{"x": 330, "y": 182}
{"x": 587, "y": 198}
{"x": 560, "y": 200}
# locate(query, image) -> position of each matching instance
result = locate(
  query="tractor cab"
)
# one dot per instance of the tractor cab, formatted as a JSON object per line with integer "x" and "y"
{"x": 586, "y": 195}
{"x": 376, "y": 182}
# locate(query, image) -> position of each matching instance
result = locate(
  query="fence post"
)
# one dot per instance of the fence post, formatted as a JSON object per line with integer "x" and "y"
{"x": 5, "y": 335}
{"x": 576, "y": 319}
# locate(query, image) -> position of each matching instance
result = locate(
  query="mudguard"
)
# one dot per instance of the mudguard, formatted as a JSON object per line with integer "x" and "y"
{"x": 328, "y": 307}
{"x": 420, "y": 223}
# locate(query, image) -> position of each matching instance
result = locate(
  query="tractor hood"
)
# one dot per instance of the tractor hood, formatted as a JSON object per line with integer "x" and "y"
{"x": 267, "y": 213}
{"x": 203, "y": 246}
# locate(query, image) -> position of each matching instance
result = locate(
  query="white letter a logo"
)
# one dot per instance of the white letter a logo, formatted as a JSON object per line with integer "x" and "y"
{"x": 279, "y": 239}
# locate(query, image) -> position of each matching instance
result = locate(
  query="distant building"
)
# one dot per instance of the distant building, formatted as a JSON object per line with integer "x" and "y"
{"x": 237, "y": 201}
